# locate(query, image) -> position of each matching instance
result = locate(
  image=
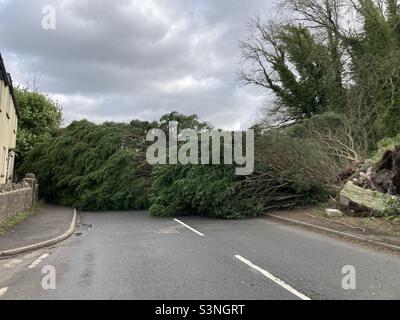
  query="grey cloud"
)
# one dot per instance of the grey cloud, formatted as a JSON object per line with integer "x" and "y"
{"x": 117, "y": 60}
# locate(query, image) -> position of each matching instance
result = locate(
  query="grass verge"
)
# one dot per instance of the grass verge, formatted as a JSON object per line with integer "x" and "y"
{"x": 18, "y": 218}
{"x": 365, "y": 220}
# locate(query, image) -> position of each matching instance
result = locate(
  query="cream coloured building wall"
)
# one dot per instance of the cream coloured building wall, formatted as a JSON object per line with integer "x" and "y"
{"x": 8, "y": 133}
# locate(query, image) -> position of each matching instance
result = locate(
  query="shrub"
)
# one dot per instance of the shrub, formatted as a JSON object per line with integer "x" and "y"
{"x": 392, "y": 207}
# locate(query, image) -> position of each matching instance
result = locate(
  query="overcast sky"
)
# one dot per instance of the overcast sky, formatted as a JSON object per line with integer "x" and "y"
{"x": 116, "y": 60}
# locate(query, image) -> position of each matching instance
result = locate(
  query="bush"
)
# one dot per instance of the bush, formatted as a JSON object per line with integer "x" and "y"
{"x": 392, "y": 207}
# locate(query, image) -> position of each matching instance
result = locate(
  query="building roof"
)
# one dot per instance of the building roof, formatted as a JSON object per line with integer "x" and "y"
{"x": 6, "y": 77}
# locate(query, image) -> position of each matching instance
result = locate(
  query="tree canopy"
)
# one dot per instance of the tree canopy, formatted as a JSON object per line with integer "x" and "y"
{"x": 38, "y": 115}
{"x": 331, "y": 55}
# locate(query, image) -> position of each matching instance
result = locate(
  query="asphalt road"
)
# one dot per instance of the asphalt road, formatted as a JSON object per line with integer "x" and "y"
{"x": 129, "y": 255}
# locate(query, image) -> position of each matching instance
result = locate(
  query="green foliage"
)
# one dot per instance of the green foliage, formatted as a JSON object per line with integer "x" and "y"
{"x": 392, "y": 208}
{"x": 289, "y": 172}
{"x": 38, "y": 115}
{"x": 103, "y": 167}
{"x": 206, "y": 190}
{"x": 383, "y": 146}
{"x": 92, "y": 167}
{"x": 318, "y": 63}
{"x": 318, "y": 123}
{"x": 290, "y": 61}
{"x": 183, "y": 121}
{"x": 292, "y": 170}
{"x": 375, "y": 52}
{"x": 308, "y": 89}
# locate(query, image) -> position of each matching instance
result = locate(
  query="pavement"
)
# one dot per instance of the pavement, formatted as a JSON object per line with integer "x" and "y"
{"x": 130, "y": 255}
{"x": 48, "y": 222}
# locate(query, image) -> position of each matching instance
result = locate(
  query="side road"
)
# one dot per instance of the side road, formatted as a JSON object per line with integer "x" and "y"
{"x": 48, "y": 225}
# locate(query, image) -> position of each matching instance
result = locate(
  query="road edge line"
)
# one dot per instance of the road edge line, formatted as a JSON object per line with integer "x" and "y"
{"x": 336, "y": 232}
{"x": 43, "y": 244}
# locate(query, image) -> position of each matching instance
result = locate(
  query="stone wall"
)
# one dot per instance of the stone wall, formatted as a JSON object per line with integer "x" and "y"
{"x": 16, "y": 198}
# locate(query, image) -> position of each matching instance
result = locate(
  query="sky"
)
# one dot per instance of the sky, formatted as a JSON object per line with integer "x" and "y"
{"x": 118, "y": 60}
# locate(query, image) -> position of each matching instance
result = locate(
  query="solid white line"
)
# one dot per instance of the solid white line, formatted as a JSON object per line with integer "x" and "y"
{"x": 189, "y": 227}
{"x": 273, "y": 278}
{"x": 3, "y": 291}
{"x": 38, "y": 260}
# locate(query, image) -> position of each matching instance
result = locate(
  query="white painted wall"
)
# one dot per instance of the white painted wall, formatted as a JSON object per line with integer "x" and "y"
{"x": 8, "y": 133}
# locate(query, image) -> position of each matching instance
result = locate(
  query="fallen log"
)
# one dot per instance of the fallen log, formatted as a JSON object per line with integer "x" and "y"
{"x": 353, "y": 196}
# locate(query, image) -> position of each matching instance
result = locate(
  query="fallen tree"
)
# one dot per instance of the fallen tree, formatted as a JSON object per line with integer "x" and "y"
{"x": 93, "y": 167}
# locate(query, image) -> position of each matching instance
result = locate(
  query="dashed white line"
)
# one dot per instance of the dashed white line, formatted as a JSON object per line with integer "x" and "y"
{"x": 3, "y": 291}
{"x": 273, "y": 278}
{"x": 38, "y": 260}
{"x": 189, "y": 227}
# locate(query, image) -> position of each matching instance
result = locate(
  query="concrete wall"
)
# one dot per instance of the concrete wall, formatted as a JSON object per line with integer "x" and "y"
{"x": 17, "y": 198}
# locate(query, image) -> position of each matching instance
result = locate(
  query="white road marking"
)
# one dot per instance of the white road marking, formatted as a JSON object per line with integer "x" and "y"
{"x": 189, "y": 227}
{"x": 38, "y": 260}
{"x": 3, "y": 291}
{"x": 273, "y": 278}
